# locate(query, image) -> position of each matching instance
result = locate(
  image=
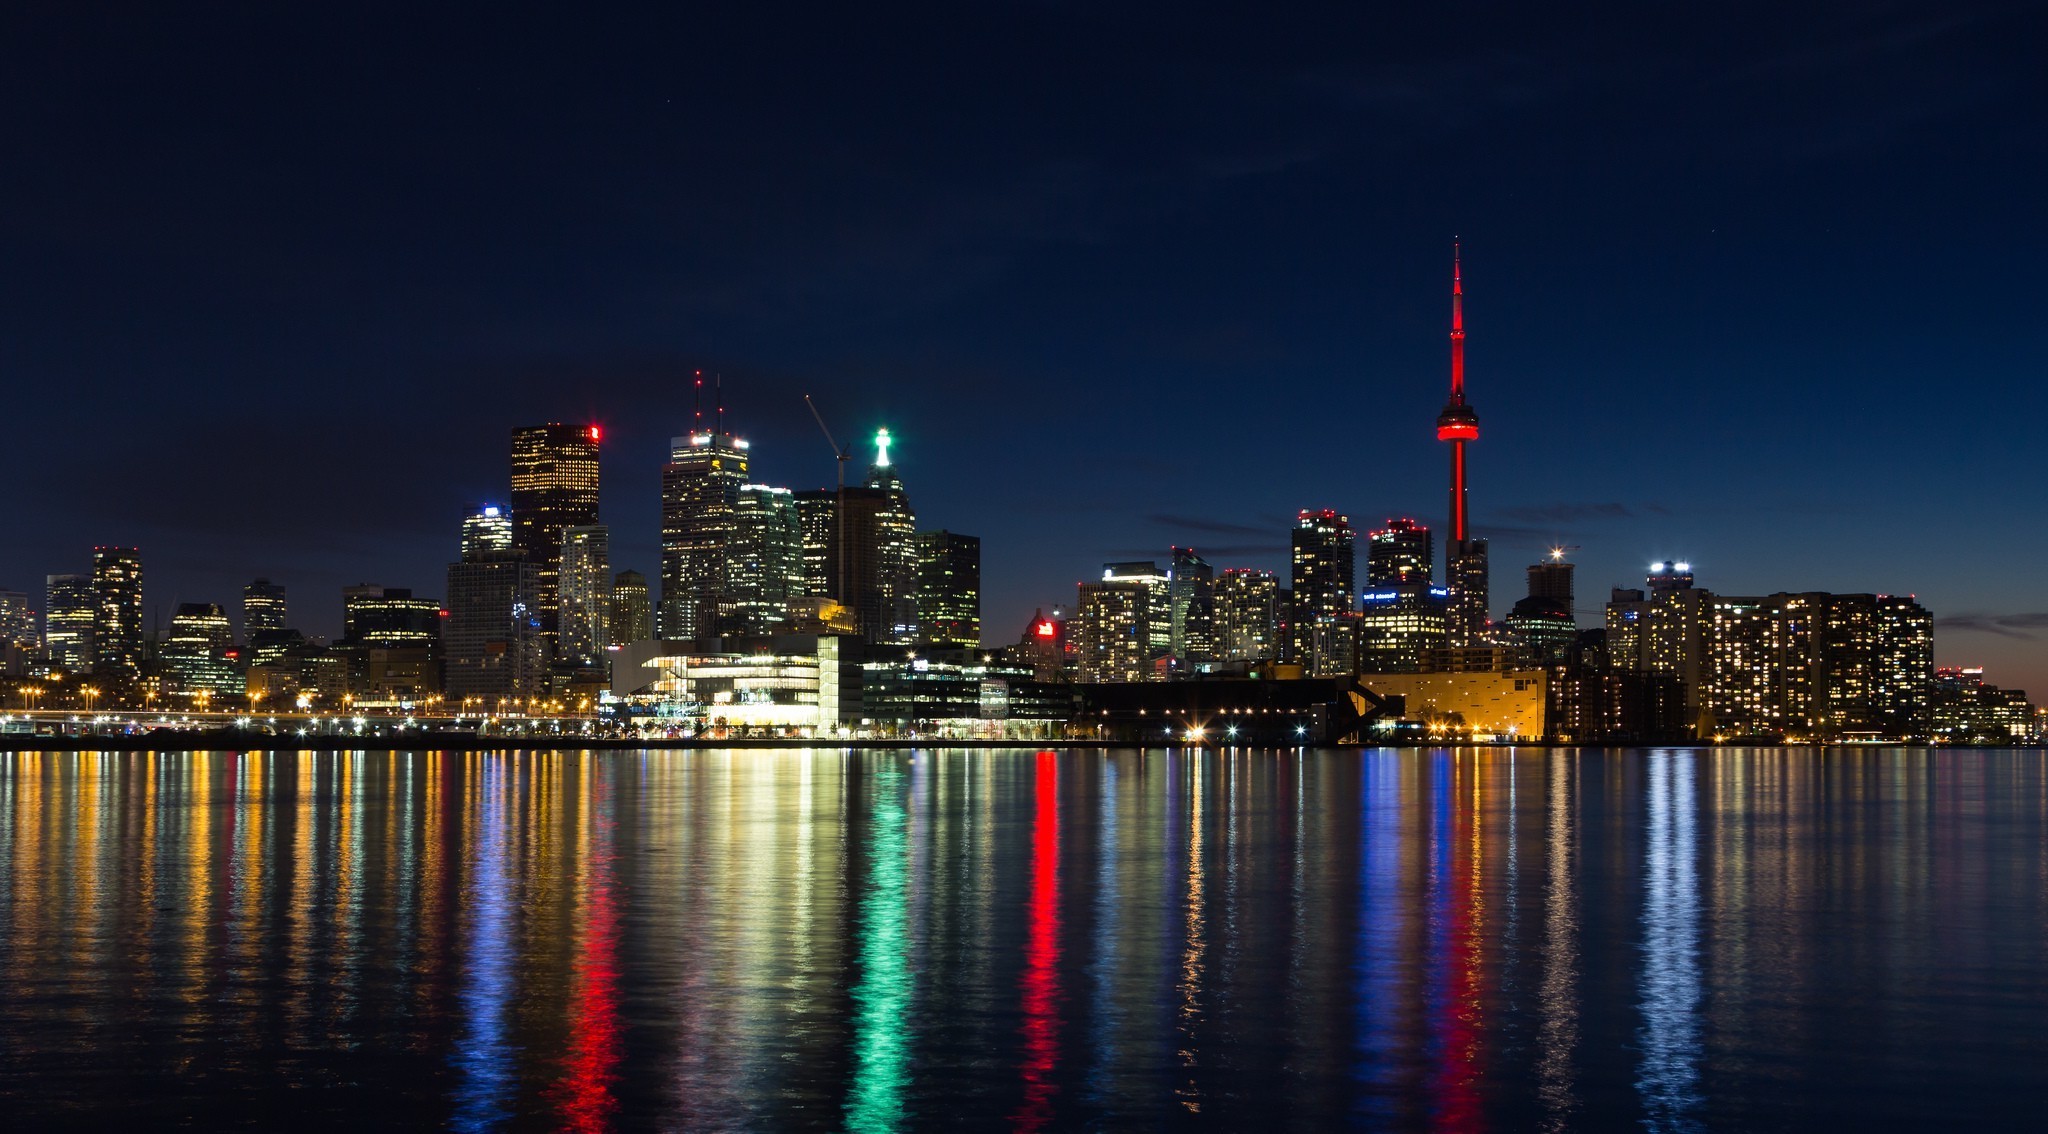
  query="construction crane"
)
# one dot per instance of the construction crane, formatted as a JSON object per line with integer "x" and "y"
{"x": 839, "y": 530}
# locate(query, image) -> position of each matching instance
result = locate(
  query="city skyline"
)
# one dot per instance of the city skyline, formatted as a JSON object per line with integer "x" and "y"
{"x": 1059, "y": 334}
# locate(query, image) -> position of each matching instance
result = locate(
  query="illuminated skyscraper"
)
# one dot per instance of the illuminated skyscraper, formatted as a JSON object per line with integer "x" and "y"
{"x": 1324, "y": 555}
{"x": 632, "y": 609}
{"x": 117, "y": 634}
{"x": 1111, "y": 631}
{"x": 583, "y": 626}
{"x": 1247, "y": 621}
{"x": 873, "y": 569}
{"x": 1158, "y": 602}
{"x": 895, "y": 552}
{"x": 68, "y": 615}
{"x": 1191, "y": 596}
{"x": 1465, "y": 561}
{"x": 1401, "y": 552}
{"x": 491, "y": 643}
{"x": 1543, "y": 621}
{"x": 389, "y": 618}
{"x": 263, "y": 609}
{"x": 700, "y": 489}
{"x": 486, "y": 530}
{"x": 949, "y": 588}
{"x": 195, "y": 653}
{"x": 554, "y": 487}
{"x": 765, "y": 568}
{"x": 1397, "y": 623}
{"x": 18, "y": 621}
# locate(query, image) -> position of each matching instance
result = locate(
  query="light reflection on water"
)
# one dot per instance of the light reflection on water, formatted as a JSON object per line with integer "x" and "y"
{"x": 1668, "y": 939}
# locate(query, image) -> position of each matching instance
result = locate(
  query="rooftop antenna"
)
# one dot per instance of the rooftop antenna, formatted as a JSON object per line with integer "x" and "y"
{"x": 697, "y": 420}
{"x": 718, "y": 400}
{"x": 841, "y": 456}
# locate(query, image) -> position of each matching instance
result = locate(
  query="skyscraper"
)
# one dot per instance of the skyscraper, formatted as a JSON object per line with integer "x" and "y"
{"x": 1158, "y": 602}
{"x": 1552, "y": 579}
{"x": 68, "y": 615}
{"x": 389, "y": 618}
{"x": 860, "y": 548}
{"x": 1191, "y": 595}
{"x": 1324, "y": 563}
{"x": 195, "y": 653}
{"x": 895, "y": 551}
{"x": 1397, "y": 623}
{"x": 949, "y": 588}
{"x": 492, "y": 645}
{"x": 1112, "y": 631}
{"x": 263, "y": 609}
{"x": 585, "y": 612}
{"x": 117, "y": 634}
{"x": 1466, "y": 564}
{"x": 18, "y": 621}
{"x": 554, "y": 487}
{"x": 765, "y": 568}
{"x": 487, "y": 529}
{"x": 1399, "y": 553}
{"x": 1246, "y": 626}
{"x": 1543, "y": 621}
{"x": 700, "y": 488}
{"x": 632, "y": 609}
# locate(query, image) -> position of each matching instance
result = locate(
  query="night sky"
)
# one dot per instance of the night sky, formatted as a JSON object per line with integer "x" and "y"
{"x": 1756, "y": 288}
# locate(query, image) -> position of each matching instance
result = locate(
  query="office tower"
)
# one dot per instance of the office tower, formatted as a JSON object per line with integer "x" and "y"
{"x": 554, "y": 487}
{"x": 68, "y": 615}
{"x": 1543, "y": 621}
{"x": 817, "y": 516}
{"x": 1323, "y": 563}
{"x": 583, "y": 624}
{"x": 1465, "y": 559}
{"x": 18, "y": 621}
{"x": 197, "y": 653}
{"x": 389, "y": 618}
{"x": 1401, "y": 552}
{"x": 1191, "y": 598}
{"x": 632, "y": 609}
{"x": 949, "y": 588}
{"x": 491, "y": 643}
{"x": 700, "y": 489}
{"x": 895, "y": 553}
{"x": 1111, "y": 631}
{"x": 1552, "y": 579}
{"x": 1397, "y": 622}
{"x": 486, "y": 531}
{"x": 1247, "y": 621}
{"x": 263, "y": 609}
{"x": 1158, "y": 602}
{"x": 765, "y": 568}
{"x": 117, "y": 634}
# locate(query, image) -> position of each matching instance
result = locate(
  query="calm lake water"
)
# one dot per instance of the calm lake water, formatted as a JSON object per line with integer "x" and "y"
{"x": 1462, "y": 939}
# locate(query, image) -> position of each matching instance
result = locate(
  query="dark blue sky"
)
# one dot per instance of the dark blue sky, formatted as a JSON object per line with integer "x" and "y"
{"x": 1747, "y": 284}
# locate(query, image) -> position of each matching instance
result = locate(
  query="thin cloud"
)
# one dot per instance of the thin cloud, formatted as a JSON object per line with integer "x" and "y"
{"x": 1198, "y": 524}
{"x": 1566, "y": 513}
{"x": 2022, "y": 626}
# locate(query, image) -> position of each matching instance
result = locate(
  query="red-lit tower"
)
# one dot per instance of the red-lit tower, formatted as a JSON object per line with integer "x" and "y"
{"x": 1465, "y": 557}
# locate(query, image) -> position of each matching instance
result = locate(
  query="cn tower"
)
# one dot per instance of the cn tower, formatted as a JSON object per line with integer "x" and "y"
{"x": 1465, "y": 568}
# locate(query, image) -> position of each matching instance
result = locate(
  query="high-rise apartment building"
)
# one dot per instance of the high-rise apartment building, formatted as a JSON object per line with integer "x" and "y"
{"x": 69, "y": 611}
{"x": 18, "y": 621}
{"x": 1815, "y": 666}
{"x": 263, "y": 609}
{"x": 1401, "y": 552}
{"x": 949, "y": 588}
{"x": 700, "y": 489}
{"x": 1111, "y": 631}
{"x": 486, "y": 530}
{"x": 117, "y": 631}
{"x": 1324, "y": 554}
{"x": 1191, "y": 598}
{"x": 1246, "y": 626}
{"x": 196, "y": 653}
{"x": 632, "y": 609}
{"x": 554, "y": 487}
{"x": 1543, "y": 622}
{"x": 584, "y": 613}
{"x": 766, "y": 565}
{"x": 1158, "y": 602}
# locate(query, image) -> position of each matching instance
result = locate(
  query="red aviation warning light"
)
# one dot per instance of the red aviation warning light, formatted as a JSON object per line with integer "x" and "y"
{"x": 596, "y": 434}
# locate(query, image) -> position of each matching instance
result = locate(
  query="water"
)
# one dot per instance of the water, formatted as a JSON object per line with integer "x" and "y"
{"x": 1660, "y": 939}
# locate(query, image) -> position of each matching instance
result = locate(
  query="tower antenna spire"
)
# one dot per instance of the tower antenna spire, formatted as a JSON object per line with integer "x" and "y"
{"x": 1459, "y": 423}
{"x": 697, "y": 418}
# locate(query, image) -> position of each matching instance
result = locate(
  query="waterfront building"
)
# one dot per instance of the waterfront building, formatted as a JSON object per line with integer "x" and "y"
{"x": 1400, "y": 553}
{"x": 1246, "y": 626}
{"x": 700, "y": 489}
{"x": 804, "y": 685}
{"x": 1964, "y": 709}
{"x": 1191, "y": 601}
{"x": 1323, "y": 572}
{"x": 1112, "y": 631}
{"x": 1043, "y": 647}
{"x": 492, "y": 648}
{"x": 554, "y": 488}
{"x": 958, "y": 693}
{"x": 263, "y": 609}
{"x": 1398, "y": 623}
{"x": 486, "y": 530}
{"x": 632, "y": 618}
{"x": 1819, "y": 667}
{"x": 765, "y": 568}
{"x": 584, "y": 611}
{"x": 117, "y": 632}
{"x": 949, "y": 588}
{"x": 197, "y": 654}
{"x": 18, "y": 621}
